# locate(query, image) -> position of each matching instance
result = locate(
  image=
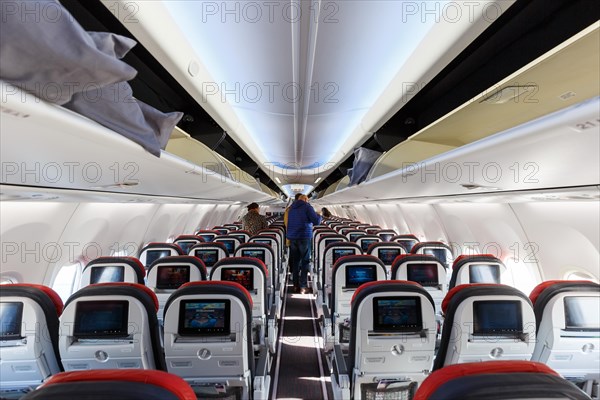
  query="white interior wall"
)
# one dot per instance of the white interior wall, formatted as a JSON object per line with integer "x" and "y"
{"x": 536, "y": 240}
{"x": 38, "y": 238}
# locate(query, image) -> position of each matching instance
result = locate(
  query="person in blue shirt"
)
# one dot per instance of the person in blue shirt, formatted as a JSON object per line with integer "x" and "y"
{"x": 301, "y": 218}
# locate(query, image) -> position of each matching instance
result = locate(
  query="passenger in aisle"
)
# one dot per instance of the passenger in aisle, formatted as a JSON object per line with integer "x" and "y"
{"x": 301, "y": 218}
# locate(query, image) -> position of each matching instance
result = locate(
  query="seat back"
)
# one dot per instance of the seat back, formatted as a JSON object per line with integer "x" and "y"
{"x": 232, "y": 227}
{"x": 366, "y": 240}
{"x": 331, "y": 255}
{"x": 485, "y": 322}
{"x": 427, "y": 271}
{"x": 568, "y": 327}
{"x": 111, "y": 326}
{"x": 317, "y": 233}
{"x": 209, "y": 253}
{"x": 477, "y": 268}
{"x": 168, "y": 273}
{"x": 270, "y": 240}
{"x": 186, "y": 242}
{"x": 207, "y": 235}
{"x": 250, "y": 273}
{"x": 439, "y": 250}
{"x": 117, "y": 384}
{"x": 29, "y": 335}
{"x": 354, "y": 234}
{"x": 386, "y": 234}
{"x": 222, "y": 230}
{"x": 231, "y": 243}
{"x": 264, "y": 253}
{"x": 348, "y": 274}
{"x": 208, "y": 335}
{"x": 392, "y": 339}
{"x": 113, "y": 269}
{"x": 324, "y": 241}
{"x": 372, "y": 229}
{"x": 154, "y": 251}
{"x": 242, "y": 235}
{"x": 386, "y": 252}
{"x": 501, "y": 380}
{"x": 408, "y": 240}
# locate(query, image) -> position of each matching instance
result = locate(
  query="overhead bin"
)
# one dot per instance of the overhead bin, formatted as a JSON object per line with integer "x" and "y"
{"x": 45, "y": 145}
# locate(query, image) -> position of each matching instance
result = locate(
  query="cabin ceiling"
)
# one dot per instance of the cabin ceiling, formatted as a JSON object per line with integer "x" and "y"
{"x": 286, "y": 90}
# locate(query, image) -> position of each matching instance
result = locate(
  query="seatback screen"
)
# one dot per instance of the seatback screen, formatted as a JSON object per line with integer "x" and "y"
{"x": 440, "y": 254}
{"x": 153, "y": 255}
{"x": 101, "y": 319}
{"x": 243, "y": 276}
{"x": 107, "y": 273}
{"x": 365, "y": 243}
{"x": 397, "y": 314}
{"x": 484, "y": 273}
{"x": 229, "y": 245}
{"x": 207, "y": 237}
{"x": 386, "y": 236}
{"x": 186, "y": 245}
{"x": 354, "y": 236}
{"x": 327, "y": 242}
{"x": 11, "y": 316}
{"x": 172, "y": 276}
{"x": 204, "y": 317}
{"x": 497, "y": 318}
{"x": 241, "y": 238}
{"x": 258, "y": 253}
{"x": 424, "y": 274}
{"x": 407, "y": 244}
{"x": 208, "y": 257}
{"x": 387, "y": 256}
{"x": 338, "y": 253}
{"x": 582, "y": 313}
{"x": 356, "y": 275}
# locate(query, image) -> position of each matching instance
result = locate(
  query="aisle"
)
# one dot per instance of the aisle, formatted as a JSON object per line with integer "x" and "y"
{"x": 300, "y": 365}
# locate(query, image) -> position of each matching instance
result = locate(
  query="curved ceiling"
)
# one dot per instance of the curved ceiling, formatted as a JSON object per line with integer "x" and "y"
{"x": 300, "y": 84}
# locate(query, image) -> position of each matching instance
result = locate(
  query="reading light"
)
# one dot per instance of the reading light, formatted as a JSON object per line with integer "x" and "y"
{"x": 318, "y": 180}
{"x": 277, "y": 180}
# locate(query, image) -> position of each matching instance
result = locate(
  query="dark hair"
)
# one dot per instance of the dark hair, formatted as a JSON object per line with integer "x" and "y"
{"x": 297, "y": 196}
{"x": 252, "y": 206}
{"x": 326, "y": 213}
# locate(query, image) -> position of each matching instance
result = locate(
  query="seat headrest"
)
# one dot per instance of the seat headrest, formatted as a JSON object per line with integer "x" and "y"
{"x": 172, "y": 383}
{"x": 212, "y": 285}
{"x": 243, "y": 261}
{"x": 388, "y": 286}
{"x": 449, "y": 372}
{"x": 120, "y": 288}
{"x": 469, "y": 289}
{"x": 557, "y": 286}
{"x": 131, "y": 261}
{"x": 28, "y": 289}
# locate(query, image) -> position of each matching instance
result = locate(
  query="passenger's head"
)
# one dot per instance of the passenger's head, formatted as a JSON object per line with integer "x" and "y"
{"x": 304, "y": 197}
{"x": 297, "y": 196}
{"x": 252, "y": 207}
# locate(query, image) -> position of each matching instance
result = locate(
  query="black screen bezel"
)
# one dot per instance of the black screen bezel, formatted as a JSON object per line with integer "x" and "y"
{"x": 80, "y": 311}
{"x": 225, "y": 330}
{"x": 480, "y": 331}
{"x": 350, "y": 267}
{"x": 409, "y": 271}
{"x": 165, "y": 286}
{"x": 95, "y": 268}
{"x": 264, "y": 255}
{"x": 381, "y": 327}
{"x": 18, "y": 321}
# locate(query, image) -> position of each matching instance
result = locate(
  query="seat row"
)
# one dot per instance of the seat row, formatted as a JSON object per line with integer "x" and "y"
{"x": 210, "y": 335}
{"x": 392, "y": 332}
{"x": 465, "y": 381}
